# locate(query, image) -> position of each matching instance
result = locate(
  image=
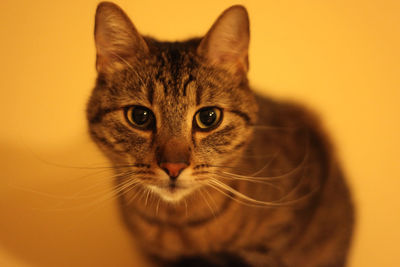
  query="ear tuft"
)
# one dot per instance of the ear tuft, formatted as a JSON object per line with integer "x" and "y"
{"x": 226, "y": 43}
{"x": 118, "y": 43}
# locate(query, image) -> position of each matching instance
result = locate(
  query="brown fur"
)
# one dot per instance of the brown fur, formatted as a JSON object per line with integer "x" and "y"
{"x": 262, "y": 189}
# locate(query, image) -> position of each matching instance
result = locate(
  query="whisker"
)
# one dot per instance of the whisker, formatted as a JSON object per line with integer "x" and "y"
{"x": 118, "y": 191}
{"x": 105, "y": 195}
{"x": 147, "y": 195}
{"x": 107, "y": 174}
{"x": 60, "y": 165}
{"x": 133, "y": 197}
{"x": 271, "y": 178}
{"x": 270, "y": 127}
{"x": 294, "y": 188}
{"x": 231, "y": 197}
{"x": 115, "y": 192}
{"x": 211, "y": 198}
{"x": 256, "y": 180}
{"x": 267, "y": 164}
{"x": 208, "y": 204}
{"x": 111, "y": 192}
{"x": 75, "y": 196}
{"x": 127, "y": 174}
{"x": 186, "y": 207}
{"x": 143, "y": 194}
{"x": 254, "y": 202}
{"x": 242, "y": 196}
{"x": 158, "y": 205}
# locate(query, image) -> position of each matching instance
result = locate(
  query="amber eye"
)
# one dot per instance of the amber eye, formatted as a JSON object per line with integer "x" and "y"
{"x": 208, "y": 118}
{"x": 140, "y": 117}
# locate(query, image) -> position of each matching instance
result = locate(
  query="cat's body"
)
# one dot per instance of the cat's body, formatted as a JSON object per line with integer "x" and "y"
{"x": 212, "y": 174}
{"x": 312, "y": 232}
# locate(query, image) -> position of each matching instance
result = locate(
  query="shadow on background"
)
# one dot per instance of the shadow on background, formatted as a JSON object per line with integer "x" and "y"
{"x": 61, "y": 216}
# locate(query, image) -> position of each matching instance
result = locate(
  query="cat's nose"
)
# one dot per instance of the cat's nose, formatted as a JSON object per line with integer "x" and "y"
{"x": 173, "y": 157}
{"x": 173, "y": 169}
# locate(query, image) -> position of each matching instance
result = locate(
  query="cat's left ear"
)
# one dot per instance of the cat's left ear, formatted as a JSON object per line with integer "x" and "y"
{"x": 226, "y": 43}
{"x": 118, "y": 43}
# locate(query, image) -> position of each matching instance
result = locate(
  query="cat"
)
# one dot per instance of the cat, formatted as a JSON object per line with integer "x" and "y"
{"x": 209, "y": 173}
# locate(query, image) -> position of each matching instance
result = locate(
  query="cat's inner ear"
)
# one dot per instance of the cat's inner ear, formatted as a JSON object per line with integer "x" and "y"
{"x": 226, "y": 43}
{"x": 118, "y": 43}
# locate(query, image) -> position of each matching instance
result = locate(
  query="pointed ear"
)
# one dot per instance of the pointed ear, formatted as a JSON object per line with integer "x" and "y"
{"x": 226, "y": 43}
{"x": 118, "y": 43}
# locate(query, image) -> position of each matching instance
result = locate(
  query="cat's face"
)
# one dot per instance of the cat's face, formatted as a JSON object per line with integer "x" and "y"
{"x": 171, "y": 115}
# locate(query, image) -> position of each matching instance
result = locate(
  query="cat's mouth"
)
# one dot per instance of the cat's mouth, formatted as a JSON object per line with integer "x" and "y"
{"x": 173, "y": 187}
{"x": 172, "y": 192}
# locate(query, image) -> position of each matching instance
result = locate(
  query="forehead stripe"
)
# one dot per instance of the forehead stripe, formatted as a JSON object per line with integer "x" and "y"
{"x": 189, "y": 80}
{"x": 150, "y": 93}
{"x": 199, "y": 92}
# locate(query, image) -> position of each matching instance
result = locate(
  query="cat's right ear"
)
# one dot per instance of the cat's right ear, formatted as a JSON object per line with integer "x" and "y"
{"x": 118, "y": 43}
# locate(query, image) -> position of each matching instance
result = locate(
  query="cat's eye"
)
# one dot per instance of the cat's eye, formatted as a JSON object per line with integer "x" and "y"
{"x": 140, "y": 117}
{"x": 208, "y": 118}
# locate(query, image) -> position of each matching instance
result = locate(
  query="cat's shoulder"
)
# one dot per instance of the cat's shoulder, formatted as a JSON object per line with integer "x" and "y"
{"x": 286, "y": 113}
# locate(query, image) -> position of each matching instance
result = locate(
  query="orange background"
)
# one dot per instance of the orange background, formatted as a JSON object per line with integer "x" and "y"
{"x": 340, "y": 57}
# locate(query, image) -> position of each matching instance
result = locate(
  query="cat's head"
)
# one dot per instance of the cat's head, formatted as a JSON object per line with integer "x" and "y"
{"x": 171, "y": 114}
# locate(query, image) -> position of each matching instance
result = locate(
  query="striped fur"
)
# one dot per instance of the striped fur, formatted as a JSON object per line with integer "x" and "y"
{"x": 261, "y": 189}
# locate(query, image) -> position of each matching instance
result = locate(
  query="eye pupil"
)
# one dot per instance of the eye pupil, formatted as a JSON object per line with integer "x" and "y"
{"x": 140, "y": 116}
{"x": 208, "y": 117}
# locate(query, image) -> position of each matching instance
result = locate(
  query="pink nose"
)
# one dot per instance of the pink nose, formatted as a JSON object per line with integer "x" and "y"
{"x": 173, "y": 169}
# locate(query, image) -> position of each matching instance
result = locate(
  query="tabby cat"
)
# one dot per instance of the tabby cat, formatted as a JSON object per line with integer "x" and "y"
{"x": 208, "y": 173}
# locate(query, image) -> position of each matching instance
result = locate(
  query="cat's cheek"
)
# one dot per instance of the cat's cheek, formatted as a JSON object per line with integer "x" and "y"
{"x": 222, "y": 143}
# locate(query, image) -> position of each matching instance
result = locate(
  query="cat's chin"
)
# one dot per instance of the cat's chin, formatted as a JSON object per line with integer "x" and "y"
{"x": 172, "y": 194}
